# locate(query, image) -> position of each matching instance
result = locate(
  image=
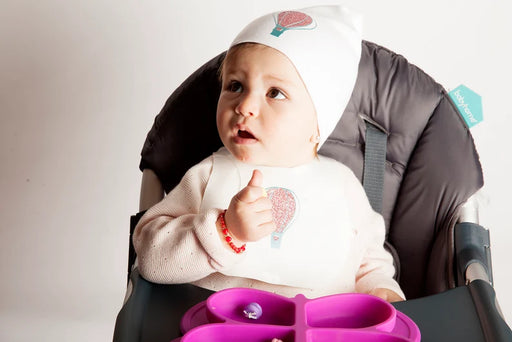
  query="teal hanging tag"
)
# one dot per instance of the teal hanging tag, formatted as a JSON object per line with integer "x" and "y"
{"x": 469, "y": 104}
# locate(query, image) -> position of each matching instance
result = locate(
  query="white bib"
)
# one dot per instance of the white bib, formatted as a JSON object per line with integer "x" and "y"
{"x": 315, "y": 233}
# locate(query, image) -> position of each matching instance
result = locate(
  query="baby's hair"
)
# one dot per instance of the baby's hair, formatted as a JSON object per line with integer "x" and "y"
{"x": 231, "y": 52}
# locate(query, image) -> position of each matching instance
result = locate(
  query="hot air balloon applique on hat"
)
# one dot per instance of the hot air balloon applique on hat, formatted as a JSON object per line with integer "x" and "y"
{"x": 292, "y": 20}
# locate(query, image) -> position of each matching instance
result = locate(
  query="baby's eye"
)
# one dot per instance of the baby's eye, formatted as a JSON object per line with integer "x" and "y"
{"x": 235, "y": 87}
{"x": 275, "y": 93}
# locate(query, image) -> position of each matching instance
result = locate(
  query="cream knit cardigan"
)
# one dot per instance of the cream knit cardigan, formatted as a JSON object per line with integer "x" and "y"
{"x": 177, "y": 240}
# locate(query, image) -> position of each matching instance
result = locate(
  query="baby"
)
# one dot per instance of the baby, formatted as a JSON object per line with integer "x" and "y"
{"x": 265, "y": 211}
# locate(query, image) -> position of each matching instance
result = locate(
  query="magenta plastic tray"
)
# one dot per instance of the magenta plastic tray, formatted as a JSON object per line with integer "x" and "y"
{"x": 342, "y": 317}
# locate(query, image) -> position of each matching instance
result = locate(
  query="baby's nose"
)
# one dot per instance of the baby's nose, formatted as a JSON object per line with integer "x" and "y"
{"x": 248, "y": 105}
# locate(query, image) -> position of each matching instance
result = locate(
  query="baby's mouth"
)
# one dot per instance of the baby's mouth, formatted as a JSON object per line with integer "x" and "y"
{"x": 245, "y": 134}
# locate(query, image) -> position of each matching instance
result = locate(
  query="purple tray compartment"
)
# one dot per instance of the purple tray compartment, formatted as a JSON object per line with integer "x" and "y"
{"x": 239, "y": 332}
{"x": 332, "y": 335}
{"x": 341, "y": 317}
{"x": 229, "y": 305}
{"x": 350, "y": 311}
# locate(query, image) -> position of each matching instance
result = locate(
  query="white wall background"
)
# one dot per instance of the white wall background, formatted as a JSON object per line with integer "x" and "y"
{"x": 80, "y": 84}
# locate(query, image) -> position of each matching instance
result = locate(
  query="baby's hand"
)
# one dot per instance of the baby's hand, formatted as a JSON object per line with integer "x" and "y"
{"x": 249, "y": 216}
{"x": 387, "y": 295}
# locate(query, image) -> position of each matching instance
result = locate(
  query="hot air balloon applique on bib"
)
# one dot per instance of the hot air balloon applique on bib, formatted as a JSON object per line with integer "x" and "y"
{"x": 284, "y": 210}
{"x": 292, "y": 20}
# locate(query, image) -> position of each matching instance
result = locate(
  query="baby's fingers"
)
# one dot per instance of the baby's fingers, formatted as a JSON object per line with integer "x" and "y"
{"x": 263, "y": 225}
{"x": 251, "y": 194}
{"x": 267, "y": 228}
{"x": 261, "y": 204}
{"x": 262, "y": 209}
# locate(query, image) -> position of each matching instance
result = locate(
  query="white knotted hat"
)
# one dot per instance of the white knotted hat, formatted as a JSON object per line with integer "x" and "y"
{"x": 324, "y": 45}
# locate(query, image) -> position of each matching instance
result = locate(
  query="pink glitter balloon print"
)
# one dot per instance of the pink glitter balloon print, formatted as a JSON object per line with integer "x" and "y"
{"x": 284, "y": 208}
{"x": 292, "y": 20}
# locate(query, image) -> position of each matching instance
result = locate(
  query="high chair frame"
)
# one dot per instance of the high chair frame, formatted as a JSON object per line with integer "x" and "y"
{"x": 453, "y": 299}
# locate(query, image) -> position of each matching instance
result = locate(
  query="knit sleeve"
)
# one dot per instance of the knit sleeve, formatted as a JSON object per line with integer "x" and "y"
{"x": 376, "y": 269}
{"x": 174, "y": 242}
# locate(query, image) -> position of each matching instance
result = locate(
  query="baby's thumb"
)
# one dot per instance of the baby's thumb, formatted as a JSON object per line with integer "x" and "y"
{"x": 254, "y": 189}
{"x": 256, "y": 179}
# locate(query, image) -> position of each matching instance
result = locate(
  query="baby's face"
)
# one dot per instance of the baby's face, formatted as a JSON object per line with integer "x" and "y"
{"x": 265, "y": 115}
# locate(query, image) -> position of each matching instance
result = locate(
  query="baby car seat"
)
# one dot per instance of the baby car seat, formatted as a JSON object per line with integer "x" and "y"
{"x": 431, "y": 166}
{"x": 428, "y": 167}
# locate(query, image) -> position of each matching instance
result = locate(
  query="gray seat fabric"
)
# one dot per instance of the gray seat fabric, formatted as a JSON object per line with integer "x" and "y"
{"x": 432, "y": 166}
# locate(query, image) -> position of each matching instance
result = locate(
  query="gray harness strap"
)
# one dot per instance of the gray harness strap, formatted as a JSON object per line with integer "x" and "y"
{"x": 374, "y": 164}
{"x": 373, "y": 174}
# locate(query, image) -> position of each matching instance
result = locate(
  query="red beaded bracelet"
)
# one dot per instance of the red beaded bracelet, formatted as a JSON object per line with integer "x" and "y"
{"x": 227, "y": 237}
